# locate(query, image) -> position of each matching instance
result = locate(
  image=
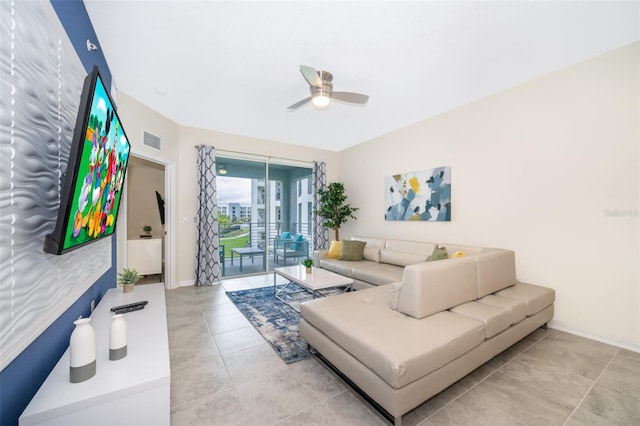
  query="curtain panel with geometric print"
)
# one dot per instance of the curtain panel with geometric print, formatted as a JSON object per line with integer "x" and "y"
{"x": 207, "y": 254}
{"x": 320, "y": 232}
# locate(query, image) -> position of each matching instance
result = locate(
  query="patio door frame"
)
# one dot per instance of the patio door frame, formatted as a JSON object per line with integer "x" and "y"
{"x": 221, "y": 155}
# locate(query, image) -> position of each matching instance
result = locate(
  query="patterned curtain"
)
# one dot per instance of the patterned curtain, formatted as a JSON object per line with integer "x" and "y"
{"x": 320, "y": 232}
{"x": 207, "y": 254}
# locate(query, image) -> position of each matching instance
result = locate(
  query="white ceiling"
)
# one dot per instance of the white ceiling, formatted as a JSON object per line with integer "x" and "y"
{"x": 233, "y": 66}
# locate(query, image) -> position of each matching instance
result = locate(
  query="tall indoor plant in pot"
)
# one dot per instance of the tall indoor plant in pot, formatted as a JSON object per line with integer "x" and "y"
{"x": 128, "y": 278}
{"x": 333, "y": 207}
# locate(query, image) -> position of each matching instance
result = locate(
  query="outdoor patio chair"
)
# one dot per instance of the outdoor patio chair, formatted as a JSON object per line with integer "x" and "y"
{"x": 296, "y": 247}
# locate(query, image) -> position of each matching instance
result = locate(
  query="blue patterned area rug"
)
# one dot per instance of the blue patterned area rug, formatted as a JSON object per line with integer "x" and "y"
{"x": 274, "y": 320}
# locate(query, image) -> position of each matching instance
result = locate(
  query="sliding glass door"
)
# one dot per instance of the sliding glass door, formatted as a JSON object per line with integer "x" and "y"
{"x": 259, "y": 203}
{"x": 289, "y": 214}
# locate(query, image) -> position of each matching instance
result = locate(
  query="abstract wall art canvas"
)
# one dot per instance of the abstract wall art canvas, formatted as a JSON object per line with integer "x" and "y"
{"x": 423, "y": 195}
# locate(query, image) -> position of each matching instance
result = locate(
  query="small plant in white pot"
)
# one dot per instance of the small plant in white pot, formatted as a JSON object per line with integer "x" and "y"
{"x": 128, "y": 278}
{"x": 308, "y": 263}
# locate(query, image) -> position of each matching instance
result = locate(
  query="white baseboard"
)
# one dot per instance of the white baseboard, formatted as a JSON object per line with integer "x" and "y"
{"x": 186, "y": 283}
{"x": 570, "y": 328}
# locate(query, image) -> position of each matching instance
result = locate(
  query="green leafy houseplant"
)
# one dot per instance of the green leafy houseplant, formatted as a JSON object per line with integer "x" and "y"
{"x": 333, "y": 208}
{"x": 128, "y": 278}
{"x": 147, "y": 229}
{"x": 308, "y": 263}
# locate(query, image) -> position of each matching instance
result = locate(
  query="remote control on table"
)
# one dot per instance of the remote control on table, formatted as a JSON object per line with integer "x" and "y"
{"x": 122, "y": 309}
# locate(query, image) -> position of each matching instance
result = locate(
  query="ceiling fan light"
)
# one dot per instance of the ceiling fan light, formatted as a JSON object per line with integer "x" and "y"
{"x": 321, "y": 100}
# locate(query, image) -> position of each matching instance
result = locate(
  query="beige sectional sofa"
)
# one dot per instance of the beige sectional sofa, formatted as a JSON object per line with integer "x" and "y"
{"x": 384, "y": 260}
{"x": 402, "y": 343}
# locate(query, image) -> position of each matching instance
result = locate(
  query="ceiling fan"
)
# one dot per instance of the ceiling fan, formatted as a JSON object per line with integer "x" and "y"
{"x": 322, "y": 92}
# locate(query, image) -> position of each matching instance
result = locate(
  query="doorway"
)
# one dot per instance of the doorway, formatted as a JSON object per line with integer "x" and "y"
{"x": 144, "y": 237}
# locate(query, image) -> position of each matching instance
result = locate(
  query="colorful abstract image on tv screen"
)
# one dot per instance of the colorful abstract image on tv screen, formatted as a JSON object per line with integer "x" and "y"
{"x": 97, "y": 189}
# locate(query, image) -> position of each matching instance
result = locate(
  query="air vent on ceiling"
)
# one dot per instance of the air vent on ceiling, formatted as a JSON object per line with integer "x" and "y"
{"x": 152, "y": 141}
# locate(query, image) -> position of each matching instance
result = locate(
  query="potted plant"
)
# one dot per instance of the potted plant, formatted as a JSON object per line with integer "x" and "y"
{"x": 308, "y": 263}
{"x": 128, "y": 278}
{"x": 147, "y": 229}
{"x": 332, "y": 207}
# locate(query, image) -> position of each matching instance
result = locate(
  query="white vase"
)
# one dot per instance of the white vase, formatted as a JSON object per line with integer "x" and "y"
{"x": 82, "y": 349}
{"x": 118, "y": 338}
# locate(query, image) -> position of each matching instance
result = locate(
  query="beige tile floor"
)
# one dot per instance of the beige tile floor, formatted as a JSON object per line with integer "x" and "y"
{"x": 224, "y": 373}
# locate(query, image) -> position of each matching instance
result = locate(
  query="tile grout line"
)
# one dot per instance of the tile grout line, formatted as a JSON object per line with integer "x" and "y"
{"x": 488, "y": 375}
{"x": 206, "y": 324}
{"x": 222, "y": 358}
{"x": 592, "y": 386}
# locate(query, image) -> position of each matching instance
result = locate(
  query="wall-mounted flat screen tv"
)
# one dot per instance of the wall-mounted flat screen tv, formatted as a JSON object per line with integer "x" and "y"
{"x": 92, "y": 186}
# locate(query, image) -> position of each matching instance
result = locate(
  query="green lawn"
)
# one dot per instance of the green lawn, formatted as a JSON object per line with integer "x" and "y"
{"x": 235, "y": 242}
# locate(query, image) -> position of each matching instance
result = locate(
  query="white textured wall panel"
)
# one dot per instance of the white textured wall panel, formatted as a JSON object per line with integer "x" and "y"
{"x": 41, "y": 81}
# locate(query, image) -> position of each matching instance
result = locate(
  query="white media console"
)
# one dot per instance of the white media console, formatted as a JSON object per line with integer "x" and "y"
{"x": 134, "y": 390}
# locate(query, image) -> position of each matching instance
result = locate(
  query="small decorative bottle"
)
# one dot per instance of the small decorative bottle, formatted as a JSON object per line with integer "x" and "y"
{"x": 82, "y": 349}
{"x": 118, "y": 338}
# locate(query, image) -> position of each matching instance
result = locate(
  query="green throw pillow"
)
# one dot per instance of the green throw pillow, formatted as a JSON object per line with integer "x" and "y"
{"x": 352, "y": 250}
{"x": 438, "y": 254}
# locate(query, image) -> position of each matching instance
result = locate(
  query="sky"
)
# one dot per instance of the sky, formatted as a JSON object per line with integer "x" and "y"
{"x": 233, "y": 190}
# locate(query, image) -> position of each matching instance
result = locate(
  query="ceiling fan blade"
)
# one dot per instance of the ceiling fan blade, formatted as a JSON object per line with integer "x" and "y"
{"x": 311, "y": 75}
{"x": 355, "y": 98}
{"x": 299, "y": 104}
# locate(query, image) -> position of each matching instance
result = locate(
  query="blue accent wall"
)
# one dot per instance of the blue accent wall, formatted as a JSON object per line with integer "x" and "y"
{"x": 21, "y": 379}
{"x": 76, "y": 23}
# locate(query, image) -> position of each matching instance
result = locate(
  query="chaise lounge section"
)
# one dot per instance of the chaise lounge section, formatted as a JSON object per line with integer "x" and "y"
{"x": 404, "y": 342}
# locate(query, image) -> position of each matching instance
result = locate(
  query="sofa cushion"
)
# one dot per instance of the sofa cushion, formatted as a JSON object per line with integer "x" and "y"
{"x": 371, "y": 242}
{"x": 438, "y": 254}
{"x": 391, "y": 344}
{"x": 342, "y": 267}
{"x": 496, "y": 270}
{"x": 535, "y": 297}
{"x": 400, "y": 258}
{"x": 394, "y": 295}
{"x": 428, "y": 288}
{"x": 334, "y": 250}
{"x": 352, "y": 250}
{"x": 517, "y": 308}
{"x": 378, "y": 273}
{"x": 372, "y": 248}
{"x": 415, "y": 247}
{"x": 371, "y": 253}
{"x": 495, "y": 319}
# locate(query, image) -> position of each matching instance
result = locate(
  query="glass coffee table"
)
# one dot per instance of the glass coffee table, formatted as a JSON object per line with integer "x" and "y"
{"x": 319, "y": 279}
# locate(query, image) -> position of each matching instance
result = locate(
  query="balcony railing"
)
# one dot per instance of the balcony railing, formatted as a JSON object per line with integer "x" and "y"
{"x": 258, "y": 230}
